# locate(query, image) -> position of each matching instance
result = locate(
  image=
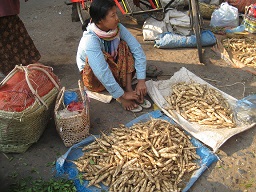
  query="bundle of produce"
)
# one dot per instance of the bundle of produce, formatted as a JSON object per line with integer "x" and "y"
{"x": 149, "y": 156}
{"x": 243, "y": 49}
{"x": 199, "y": 103}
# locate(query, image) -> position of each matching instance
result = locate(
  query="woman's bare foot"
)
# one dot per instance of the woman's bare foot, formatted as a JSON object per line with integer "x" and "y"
{"x": 127, "y": 104}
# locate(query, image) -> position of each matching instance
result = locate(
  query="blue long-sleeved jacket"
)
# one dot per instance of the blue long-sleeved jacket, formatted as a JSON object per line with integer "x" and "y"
{"x": 91, "y": 46}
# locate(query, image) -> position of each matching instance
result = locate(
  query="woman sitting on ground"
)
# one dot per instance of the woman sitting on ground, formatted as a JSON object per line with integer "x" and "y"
{"x": 109, "y": 55}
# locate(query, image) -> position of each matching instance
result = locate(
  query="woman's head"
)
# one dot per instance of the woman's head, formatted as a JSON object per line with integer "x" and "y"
{"x": 99, "y": 9}
{"x": 104, "y": 14}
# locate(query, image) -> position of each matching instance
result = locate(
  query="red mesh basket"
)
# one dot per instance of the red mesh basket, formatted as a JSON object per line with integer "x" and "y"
{"x": 23, "y": 85}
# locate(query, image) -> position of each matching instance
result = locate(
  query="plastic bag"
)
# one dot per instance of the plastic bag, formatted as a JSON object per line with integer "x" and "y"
{"x": 70, "y": 96}
{"x": 225, "y": 16}
{"x": 245, "y": 109}
{"x": 75, "y": 106}
{"x": 152, "y": 28}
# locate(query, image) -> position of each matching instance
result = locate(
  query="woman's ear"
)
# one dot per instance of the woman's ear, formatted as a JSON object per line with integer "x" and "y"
{"x": 100, "y": 22}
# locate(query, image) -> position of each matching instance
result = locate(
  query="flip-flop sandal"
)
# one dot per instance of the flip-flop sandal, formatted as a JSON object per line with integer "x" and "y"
{"x": 152, "y": 71}
{"x": 135, "y": 110}
{"x": 146, "y": 104}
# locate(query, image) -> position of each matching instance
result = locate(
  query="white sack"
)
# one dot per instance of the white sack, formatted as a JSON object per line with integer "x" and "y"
{"x": 212, "y": 137}
{"x": 178, "y": 20}
{"x": 152, "y": 28}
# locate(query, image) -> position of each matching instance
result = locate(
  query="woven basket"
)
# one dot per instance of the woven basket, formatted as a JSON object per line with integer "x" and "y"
{"x": 206, "y": 10}
{"x": 19, "y": 130}
{"x": 72, "y": 129}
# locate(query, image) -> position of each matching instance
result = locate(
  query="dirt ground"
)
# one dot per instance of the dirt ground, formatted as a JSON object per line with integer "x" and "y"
{"x": 57, "y": 37}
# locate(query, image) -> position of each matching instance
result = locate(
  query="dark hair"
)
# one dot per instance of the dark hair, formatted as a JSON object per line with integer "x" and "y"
{"x": 98, "y": 10}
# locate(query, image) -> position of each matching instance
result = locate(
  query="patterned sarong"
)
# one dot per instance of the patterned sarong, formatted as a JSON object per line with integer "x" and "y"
{"x": 16, "y": 46}
{"x": 120, "y": 68}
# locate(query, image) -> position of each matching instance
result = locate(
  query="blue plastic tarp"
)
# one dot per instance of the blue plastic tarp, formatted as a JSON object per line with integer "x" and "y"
{"x": 64, "y": 166}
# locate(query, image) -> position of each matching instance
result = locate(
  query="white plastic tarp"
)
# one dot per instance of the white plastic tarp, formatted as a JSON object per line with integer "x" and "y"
{"x": 212, "y": 137}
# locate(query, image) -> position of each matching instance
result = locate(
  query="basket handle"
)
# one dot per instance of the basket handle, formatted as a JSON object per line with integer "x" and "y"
{"x": 9, "y": 75}
{"x": 80, "y": 85}
{"x": 84, "y": 95}
{"x": 59, "y": 99}
{"x": 26, "y": 71}
{"x": 48, "y": 75}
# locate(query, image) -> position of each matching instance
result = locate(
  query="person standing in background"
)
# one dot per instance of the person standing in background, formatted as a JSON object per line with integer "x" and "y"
{"x": 16, "y": 46}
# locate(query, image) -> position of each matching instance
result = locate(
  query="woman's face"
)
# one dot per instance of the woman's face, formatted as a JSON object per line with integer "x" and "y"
{"x": 110, "y": 21}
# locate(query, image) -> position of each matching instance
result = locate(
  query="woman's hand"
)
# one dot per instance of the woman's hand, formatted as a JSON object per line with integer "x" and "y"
{"x": 141, "y": 89}
{"x": 131, "y": 95}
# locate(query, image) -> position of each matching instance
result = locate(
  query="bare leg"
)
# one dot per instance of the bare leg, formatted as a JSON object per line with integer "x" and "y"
{"x": 129, "y": 87}
{"x": 129, "y": 82}
{"x": 126, "y": 103}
